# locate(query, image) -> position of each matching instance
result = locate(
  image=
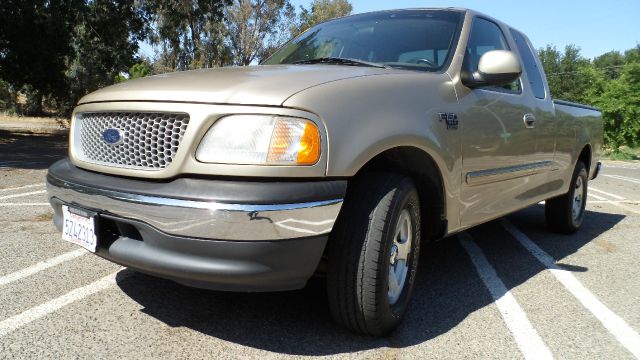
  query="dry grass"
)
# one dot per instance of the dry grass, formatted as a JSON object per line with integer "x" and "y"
{"x": 34, "y": 120}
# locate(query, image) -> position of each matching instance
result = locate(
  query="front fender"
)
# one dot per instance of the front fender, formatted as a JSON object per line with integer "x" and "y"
{"x": 366, "y": 116}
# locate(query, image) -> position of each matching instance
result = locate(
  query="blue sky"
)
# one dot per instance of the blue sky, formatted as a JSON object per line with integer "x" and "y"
{"x": 595, "y": 26}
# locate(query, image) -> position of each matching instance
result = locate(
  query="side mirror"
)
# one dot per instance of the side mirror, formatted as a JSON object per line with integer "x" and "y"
{"x": 496, "y": 67}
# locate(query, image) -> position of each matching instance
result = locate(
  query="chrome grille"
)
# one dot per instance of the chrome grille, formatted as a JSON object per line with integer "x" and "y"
{"x": 149, "y": 141}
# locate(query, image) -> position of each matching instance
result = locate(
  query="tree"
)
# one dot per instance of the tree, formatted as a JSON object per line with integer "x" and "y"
{"x": 136, "y": 71}
{"x": 321, "y": 11}
{"x": 562, "y": 70}
{"x": 611, "y": 63}
{"x": 188, "y": 32}
{"x": 632, "y": 55}
{"x": 140, "y": 70}
{"x": 7, "y": 98}
{"x": 35, "y": 41}
{"x": 611, "y": 82}
{"x": 255, "y": 28}
{"x": 105, "y": 43}
{"x": 620, "y": 104}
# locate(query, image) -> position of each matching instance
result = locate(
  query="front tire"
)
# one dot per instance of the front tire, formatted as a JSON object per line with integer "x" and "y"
{"x": 373, "y": 254}
{"x": 565, "y": 213}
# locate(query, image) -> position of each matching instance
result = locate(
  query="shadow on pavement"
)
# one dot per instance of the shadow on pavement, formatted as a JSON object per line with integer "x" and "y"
{"x": 298, "y": 322}
{"x": 26, "y": 150}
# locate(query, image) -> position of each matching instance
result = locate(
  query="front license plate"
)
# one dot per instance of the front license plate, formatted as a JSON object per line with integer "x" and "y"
{"x": 79, "y": 228}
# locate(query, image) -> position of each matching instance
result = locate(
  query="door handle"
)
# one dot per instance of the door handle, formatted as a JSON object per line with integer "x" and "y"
{"x": 529, "y": 121}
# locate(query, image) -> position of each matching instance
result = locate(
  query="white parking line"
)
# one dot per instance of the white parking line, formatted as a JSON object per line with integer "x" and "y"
{"x": 15, "y": 322}
{"x": 21, "y": 187}
{"x": 22, "y": 194}
{"x": 625, "y": 334}
{"x": 598, "y": 197}
{"x": 6, "y": 279}
{"x": 527, "y": 338}
{"x": 24, "y": 204}
{"x": 614, "y": 202}
{"x": 606, "y": 193}
{"x": 609, "y": 166}
{"x": 624, "y": 178}
{"x": 629, "y": 209}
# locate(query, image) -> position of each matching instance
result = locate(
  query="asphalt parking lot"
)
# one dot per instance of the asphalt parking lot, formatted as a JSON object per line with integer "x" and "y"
{"x": 507, "y": 289}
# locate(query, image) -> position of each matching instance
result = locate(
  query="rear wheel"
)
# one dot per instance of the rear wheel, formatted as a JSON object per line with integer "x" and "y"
{"x": 373, "y": 254}
{"x": 565, "y": 213}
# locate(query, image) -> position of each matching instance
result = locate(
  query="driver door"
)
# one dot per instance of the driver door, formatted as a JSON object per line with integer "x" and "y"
{"x": 498, "y": 149}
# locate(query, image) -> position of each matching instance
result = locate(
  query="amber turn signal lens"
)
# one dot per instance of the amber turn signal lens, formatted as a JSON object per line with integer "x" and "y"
{"x": 309, "y": 152}
{"x": 295, "y": 141}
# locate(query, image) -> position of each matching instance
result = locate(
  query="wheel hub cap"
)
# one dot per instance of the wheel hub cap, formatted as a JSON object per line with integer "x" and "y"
{"x": 394, "y": 254}
{"x": 578, "y": 198}
{"x": 399, "y": 256}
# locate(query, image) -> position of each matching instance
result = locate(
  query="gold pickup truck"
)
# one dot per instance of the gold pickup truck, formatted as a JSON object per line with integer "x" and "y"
{"x": 340, "y": 155}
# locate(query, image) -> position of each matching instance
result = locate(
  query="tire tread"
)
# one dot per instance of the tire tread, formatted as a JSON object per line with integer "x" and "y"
{"x": 357, "y": 240}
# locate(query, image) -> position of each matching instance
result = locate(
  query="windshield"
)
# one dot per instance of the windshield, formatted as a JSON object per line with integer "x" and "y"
{"x": 406, "y": 39}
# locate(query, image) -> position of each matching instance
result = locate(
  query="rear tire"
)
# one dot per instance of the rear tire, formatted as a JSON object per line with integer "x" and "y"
{"x": 373, "y": 254}
{"x": 565, "y": 213}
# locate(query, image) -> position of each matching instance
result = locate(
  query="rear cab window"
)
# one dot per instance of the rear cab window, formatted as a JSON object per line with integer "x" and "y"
{"x": 530, "y": 65}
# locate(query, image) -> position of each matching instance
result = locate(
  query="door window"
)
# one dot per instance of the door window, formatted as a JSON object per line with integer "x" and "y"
{"x": 486, "y": 36}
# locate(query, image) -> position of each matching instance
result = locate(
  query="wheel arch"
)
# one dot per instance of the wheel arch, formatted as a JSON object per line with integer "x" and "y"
{"x": 585, "y": 156}
{"x": 422, "y": 168}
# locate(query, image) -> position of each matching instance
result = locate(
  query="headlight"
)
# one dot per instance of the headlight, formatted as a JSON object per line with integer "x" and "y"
{"x": 261, "y": 140}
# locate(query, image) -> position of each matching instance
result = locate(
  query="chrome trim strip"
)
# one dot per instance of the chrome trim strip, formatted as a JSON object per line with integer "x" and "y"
{"x": 182, "y": 203}
{"x": 500, "y": 174}
{"x": 202, "y": 219}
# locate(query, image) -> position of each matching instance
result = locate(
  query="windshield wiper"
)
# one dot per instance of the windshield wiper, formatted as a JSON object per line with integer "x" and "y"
{"x": 340, "y": 61}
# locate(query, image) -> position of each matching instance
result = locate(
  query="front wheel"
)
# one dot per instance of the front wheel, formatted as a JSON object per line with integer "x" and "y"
{"x": 373, "y": 254}
{"x": 565, "y": 213}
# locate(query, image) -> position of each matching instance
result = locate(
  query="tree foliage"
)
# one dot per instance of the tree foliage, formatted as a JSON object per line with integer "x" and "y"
{"x": 562, "y": 72}
{"x": 7, "y": 97}
{"x": 140, "y": 70}
{"x": 620, "y": 104}
{"x": 610, "y": 82}
{"x": 55, "y": 51}
{"x": 255, "y": 28}
{"x": 59, "y": 50}
{"x": 321, "y": 11}
{"x": 610, "y": 63}
{"x": 136, "y": 71}
{"x": 35, "y": 40}
{"x": 104, "y": 44}
{"x": 187, "y": 31}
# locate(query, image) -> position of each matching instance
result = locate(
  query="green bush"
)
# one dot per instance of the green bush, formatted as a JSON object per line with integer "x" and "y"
{"x": 620, "y": 104}
{"x": 610, "y": 82}
{"x": 624, "y": 153}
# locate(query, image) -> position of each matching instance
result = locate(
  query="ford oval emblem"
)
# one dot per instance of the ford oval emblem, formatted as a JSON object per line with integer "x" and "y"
{"x": 112, "y": 136}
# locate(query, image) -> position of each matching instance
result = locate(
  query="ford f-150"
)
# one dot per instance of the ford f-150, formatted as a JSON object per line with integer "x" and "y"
{"x": 340, "y": 155}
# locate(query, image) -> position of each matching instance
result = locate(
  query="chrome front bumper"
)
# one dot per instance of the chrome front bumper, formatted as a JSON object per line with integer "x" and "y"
{"x": 210, "y": 233}
{"x": 203, "y": 219}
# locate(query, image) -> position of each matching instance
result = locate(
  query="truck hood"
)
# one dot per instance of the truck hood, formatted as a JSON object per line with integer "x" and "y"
{"x": 251, "y": 85}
